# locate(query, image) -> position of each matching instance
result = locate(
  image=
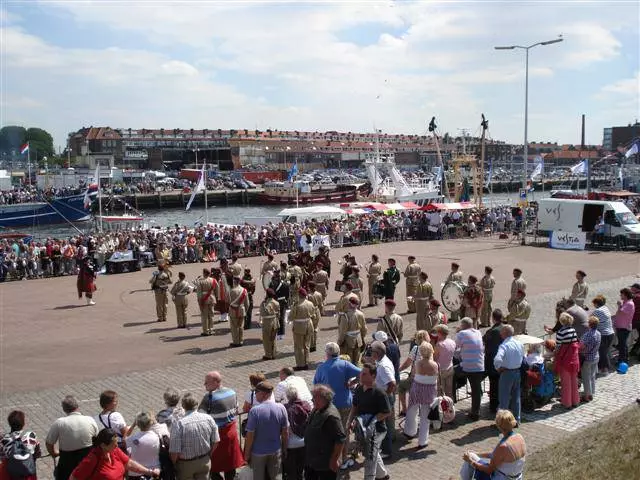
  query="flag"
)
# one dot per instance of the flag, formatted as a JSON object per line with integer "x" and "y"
{"x": 199, "y": 188}
{"x": 539, "y": 167}
{"x": 294, "y": 171}
{"x": 633, "y": 150}
{"x": 579, "y": 168}
{"x": 96, "y": 179}
{"x": 24, "y": 148}
{"x": 620, "y": 177}
{"x": 488, "y": 184}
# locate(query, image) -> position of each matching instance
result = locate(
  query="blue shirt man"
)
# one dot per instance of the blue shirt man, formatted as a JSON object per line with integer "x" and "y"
{"x": 336, "y": 373}
{"x": 508, "y": 361}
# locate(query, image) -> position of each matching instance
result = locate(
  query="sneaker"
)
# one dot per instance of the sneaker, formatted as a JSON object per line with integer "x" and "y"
{"x": 91, "y": 302}
{"x": 347, "y": 464}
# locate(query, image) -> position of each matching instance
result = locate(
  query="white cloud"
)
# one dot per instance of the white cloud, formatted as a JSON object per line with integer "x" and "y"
{"x": 627, "y": 87}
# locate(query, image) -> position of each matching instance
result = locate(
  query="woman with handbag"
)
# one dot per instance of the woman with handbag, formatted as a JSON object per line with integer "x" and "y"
{"x": 146, "y": 444}
{"x": 421, "y": 396}
{"x": 407, "y": 367}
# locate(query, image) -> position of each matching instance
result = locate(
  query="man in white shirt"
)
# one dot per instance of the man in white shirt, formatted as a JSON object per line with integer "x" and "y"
{"x": 288, "y": 378}
{"x": 386, "y": 381}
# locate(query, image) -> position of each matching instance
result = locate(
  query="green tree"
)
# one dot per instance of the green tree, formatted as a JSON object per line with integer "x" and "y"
{"x": 12, "y": 138}
{"x": 40, "y": 143}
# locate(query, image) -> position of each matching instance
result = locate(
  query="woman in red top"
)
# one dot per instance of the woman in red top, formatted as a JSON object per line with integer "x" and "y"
{"x": 106, "y": 461}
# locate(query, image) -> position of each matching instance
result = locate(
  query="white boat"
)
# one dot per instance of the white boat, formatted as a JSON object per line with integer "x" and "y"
{"x": 319, "y": 212}
{"x": 114, "y": 223}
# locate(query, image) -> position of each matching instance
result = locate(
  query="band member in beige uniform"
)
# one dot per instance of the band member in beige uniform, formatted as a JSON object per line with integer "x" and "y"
{"x": 235, "y": 268}
{"x": 269, "y": 266}
{"x": 374, "y": 270}
{"x": 179, "y": 292}
{"x": 302, "y": 315}
{"x": 206, "y": 293}
{"x": 316, "y": 298}
{"x": 295, "y": 277}
{"x": 160, "y": 282}
{"x": 517, "y": 284}
{"x": 487, "y": 283}
{"x": 352, "y": 331}
{"x": 472, "y": 300}
{"x": 238, "y": 305}
{"x": 391, "y": 323}
{"x": 580, "y": 289}
{"x": 434, "y": 316}
{"x": 321, "y": 279}
{"x": 343, "y": 302}
{"x": 411, "y": 276}
{"x": 519, "y": 312}
{"x": 356, "y": 281}
{"x": 424, "y": 293}
{"x": 454, "y": 276}
{"x": 270, "y": 320}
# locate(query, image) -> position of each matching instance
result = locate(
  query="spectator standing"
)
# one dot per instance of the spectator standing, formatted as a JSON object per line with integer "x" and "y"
{"x": 173, "y": 410}
{"x": 386, "y": 381}
{"x": 287, "y": 379}
{"x": 590, "y": 346}
{"x": 507, "y": 362}
{"x": 16, "y": 435}
{"x": 567, "y": 361}
{"x": 194, "y": 438}
{"x": 470, "y": 350}
{"x": 73, "y": 434}
{"x": 221, "y": 404}
{"x": 324, "y": 436}
{"x": 443, "y": 355}
{"x": 607, "y": 333}
{"x": 267, "y": 435}
{"x": 635, "y": 291}
{"x": 623, "y": 321}
{"x": 298, "y": 415}
{"x": 492, "y": 340}
{"x": 338, "y": 374}
{"x": 144, "y": 445}
{"x": 110, "y": 418}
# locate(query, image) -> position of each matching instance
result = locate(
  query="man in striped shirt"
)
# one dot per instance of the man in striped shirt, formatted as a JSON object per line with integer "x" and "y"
{"x": 221, "y": 404}
{"x": 470, "y": 351}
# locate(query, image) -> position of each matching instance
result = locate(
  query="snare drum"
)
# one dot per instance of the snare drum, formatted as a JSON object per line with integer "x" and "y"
{"x": 338, "y": 286}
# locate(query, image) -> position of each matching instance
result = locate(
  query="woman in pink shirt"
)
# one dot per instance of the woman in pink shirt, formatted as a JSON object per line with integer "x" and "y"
{"x": 443, "y": 355}
{"x": 622, "y": 322}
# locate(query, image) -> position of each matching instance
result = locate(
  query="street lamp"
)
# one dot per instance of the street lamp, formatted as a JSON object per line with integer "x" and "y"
{"x": 526, "y": 112}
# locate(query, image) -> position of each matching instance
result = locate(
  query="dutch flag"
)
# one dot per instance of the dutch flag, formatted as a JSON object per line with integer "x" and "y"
{"x": 24, "y": 148}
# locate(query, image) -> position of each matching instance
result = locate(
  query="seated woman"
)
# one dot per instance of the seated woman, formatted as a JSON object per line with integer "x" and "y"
{"x": 507, "y": 459}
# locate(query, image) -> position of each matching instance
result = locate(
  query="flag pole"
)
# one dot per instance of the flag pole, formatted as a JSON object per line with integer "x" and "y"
{"x": 99, "y": 194}
{"x": 29, "y": 161}
{"x": 205, "y": 179}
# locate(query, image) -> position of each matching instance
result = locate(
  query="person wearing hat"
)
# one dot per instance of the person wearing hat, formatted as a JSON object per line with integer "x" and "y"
{"x": 206, "y": 292}
{"x": 270, "y": 320}
{"x": 316, "y": 298}
{"x": 303, "y": 318}
{"x": 343, "y": 303}
{"x": 160, "y": 282}
{"x": 269, "y": 266}
{"x": 281, "y": 288}
{"x": 519, "y": 312}
{"x": 390, "y": 279}
{"x": 295, "y": 281}
{"x": 224, "y": 280}
{"x": 374, "y": 270}
{"x": 455, "y": 275}
{"x": 235, "y": 268}
{"x": 580, "y": 289}
{"x": 412, "y": 279}
{"x": 422, "y": 296}
{"x": 434, "y": 316}
{"x": 179, "y": 292}
{"x": 321, "y": 279}
{"x": 356, "y": 281}
{"x": 472, "y": 300}
{"x": 352, "y": 331}
{"x": 487, "y": 284}
{"x": 238, "y": 305}
{"x": 249, "y": 283}
{"x": 391, "y": 323}
{"x": 518, "y": 284}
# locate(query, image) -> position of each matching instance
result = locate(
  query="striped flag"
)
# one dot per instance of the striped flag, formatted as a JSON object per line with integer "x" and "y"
{"x": 24, "y": 148}
{"x": 633, "y": 150}
{"x": 96, "y": 179}
{"x": 579, "y": 168}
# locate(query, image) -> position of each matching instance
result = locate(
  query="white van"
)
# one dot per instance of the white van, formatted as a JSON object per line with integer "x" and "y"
{"x": 564, "y": 215}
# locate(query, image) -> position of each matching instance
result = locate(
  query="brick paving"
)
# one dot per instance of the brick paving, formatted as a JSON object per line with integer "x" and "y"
{"x": 118, "y": 345}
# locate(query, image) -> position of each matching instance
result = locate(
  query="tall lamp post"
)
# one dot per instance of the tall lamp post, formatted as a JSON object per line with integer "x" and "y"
{"x": 526, "y": 113}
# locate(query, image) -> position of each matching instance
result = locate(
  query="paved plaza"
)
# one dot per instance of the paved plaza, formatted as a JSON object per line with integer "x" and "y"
{"x": 52, "y": 345}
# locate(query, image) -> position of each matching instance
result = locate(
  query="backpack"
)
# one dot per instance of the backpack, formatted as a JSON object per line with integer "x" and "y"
{"x": 20, "y": 460}
{"x": 298, "y": 413}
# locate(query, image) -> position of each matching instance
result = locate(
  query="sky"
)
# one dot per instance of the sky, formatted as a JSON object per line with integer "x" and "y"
{"x": 346, "y": 66}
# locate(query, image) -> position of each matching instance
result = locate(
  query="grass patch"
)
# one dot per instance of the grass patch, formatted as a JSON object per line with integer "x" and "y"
{"x": 608, "y": 450}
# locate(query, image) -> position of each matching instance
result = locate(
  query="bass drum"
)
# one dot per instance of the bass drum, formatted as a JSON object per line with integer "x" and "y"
{"x": 451, "y": 295}
{"x": 378, "y": 289}
{"x": 266, "y": 280}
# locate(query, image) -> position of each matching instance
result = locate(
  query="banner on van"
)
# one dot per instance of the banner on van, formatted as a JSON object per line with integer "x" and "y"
{"x": 316, "y": 242}
{"x": 568, "y": 240}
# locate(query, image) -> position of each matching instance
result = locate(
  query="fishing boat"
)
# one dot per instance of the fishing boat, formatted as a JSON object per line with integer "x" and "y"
{"x": 305, "y": 193}
{"x": 48, "y": 212}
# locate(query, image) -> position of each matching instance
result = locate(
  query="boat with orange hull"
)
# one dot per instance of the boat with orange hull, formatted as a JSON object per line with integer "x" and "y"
{"x": 304, "y": 193}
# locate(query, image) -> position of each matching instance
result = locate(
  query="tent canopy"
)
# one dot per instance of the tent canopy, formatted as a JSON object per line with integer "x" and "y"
{"x": 448, "y": 206}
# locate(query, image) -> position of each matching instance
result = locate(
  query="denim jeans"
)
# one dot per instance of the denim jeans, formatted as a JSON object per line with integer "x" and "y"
{"x": 604, "y": 352}
{"x": 390, "y": 422}
{"x": 509, "y": 392}
{"x": 623, "y": 349}
{"x": 373, "y": 464}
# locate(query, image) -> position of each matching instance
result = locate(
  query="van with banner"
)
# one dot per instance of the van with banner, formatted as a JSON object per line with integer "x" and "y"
{"x": 605, "y": 218}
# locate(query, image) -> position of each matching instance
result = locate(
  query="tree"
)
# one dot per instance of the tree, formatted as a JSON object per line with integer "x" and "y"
{"x": 40, "y": 143}
{"x": 12, "y": 138}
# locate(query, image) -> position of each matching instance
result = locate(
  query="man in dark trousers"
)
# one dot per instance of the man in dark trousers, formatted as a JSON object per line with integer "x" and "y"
{"x": 492, "y": 341}
{"x": 281, "y": 288}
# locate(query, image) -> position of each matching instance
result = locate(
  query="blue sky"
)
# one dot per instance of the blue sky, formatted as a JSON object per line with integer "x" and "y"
{"x": 320, "y": 66}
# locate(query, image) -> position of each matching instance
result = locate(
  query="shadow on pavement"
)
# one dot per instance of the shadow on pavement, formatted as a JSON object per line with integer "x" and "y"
{"x": 69, "y": 307}
{"x": 138, "y": 324}
{"x": 476, "y": 435}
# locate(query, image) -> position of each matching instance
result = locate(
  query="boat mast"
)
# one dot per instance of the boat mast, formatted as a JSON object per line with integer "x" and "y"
{"x": 442, "y": 180}
{"x": 480, "y": 175}
{"x": 206, "y": 181}
{"x": 99, "y": 195}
